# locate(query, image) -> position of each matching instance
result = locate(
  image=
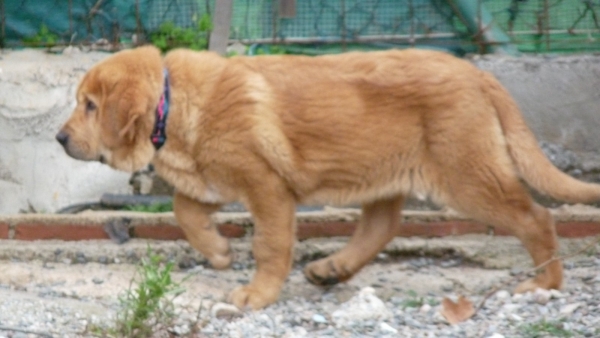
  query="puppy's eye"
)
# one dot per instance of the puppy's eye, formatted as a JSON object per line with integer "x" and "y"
{"x": 90, "y": 106}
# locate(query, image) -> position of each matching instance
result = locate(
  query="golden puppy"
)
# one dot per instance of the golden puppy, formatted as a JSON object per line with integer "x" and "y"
{"x": 274, "y": 131}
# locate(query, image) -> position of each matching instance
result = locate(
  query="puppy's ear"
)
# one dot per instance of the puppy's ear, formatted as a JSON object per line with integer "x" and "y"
{"x": 128, "y": 132}
{"x": 132, "y": 114}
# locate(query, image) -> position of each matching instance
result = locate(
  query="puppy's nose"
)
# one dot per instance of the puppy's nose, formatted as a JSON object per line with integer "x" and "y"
{"x": 62, "y": 138}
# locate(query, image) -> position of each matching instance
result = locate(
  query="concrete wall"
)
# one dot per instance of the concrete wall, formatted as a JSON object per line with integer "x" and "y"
{"x": 36, "y": 97}
{"x": 560, "y": 99}
{"x": 559, "y": 96}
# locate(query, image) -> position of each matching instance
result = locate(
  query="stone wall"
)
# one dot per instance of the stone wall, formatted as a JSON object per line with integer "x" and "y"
{"x": 559, "y": 96}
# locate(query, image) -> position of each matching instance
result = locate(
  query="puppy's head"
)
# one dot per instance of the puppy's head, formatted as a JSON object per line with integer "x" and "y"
{"x": 114, "y": 116}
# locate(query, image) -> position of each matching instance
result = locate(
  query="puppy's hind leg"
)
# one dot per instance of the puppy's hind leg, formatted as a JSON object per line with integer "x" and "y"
{"x": 194, "y": 218}
{"x": 378, "y": 225}
{"x": 500, "y": 200}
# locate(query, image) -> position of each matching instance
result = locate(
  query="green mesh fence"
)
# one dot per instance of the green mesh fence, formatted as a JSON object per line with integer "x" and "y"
{"x": 549, "y": 25}
{"x": 318, "y": 26}
{"x": 351, "y": 24}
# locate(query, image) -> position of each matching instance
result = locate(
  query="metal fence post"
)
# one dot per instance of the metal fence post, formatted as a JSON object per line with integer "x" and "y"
{"x": 221, "y": 25}
{"x": 2, "y": 23}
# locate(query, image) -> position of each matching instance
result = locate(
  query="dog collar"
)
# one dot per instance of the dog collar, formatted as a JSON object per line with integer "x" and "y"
{"x": 159, "y": 137}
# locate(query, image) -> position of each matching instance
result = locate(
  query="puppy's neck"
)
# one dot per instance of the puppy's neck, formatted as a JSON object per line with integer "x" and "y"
{"x": 159, "y": 136}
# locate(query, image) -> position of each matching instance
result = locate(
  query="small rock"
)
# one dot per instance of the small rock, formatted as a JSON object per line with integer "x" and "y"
{"x": 448, "y": 287}
{"x": 425, "y": 308}
{"x": 450, "y": 263}
{"x": 517, "y": 297}
{"x": 383, "y": 256}
{"x": 180, "y": 330}
{"x": 568, "y": 309}
{"x": 97, "y": 280}
{"x": 496, "y": 335}
{"x": 542, "y": 296}
{"x": 80, "y": 258}
{"x": 516, "y": 317}
{"x": 186, "y": 263}
{"x": 515, "y": 271}
{"x": 362, "y": 307}
{"x": 502, "y": 294}
{"x": 317, "y": 318}
{"x": 70, "y": 50}
{"x": 387, "y": 328}
{"x": 556, "y": 294}
{"x": 225, "y": 311}
{"x": 413, "y": 323}
{"x": 509, "y": 308}
{"x": 586, "y": 264}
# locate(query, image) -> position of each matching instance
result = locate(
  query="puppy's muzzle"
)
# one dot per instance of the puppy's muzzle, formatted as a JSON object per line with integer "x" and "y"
{"x": 63, "y": 138}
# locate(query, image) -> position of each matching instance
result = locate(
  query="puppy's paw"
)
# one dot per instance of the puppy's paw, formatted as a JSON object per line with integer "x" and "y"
{"x": 326, "y": 272}
{"x": 249, "y": 296}
{"x": 532, "y": 284}
{"x": 221, "y": 262}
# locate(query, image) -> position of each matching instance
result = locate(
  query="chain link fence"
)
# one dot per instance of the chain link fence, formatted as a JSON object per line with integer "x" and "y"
{"x": 317, "y": 26}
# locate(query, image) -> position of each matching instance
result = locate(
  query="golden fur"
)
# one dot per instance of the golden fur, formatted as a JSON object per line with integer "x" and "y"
{"x": 367, "y": 128}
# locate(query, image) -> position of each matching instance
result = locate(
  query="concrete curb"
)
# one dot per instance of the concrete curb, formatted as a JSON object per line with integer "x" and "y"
{"x": 571, "y": 221}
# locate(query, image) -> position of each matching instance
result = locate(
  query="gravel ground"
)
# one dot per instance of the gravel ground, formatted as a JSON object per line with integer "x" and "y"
{"x": 61, "y": 289}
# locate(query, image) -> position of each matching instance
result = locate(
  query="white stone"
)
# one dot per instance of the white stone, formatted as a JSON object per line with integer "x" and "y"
{"x": 542, "y": 296}
{"x": 568, "y": 309}
{"x": 364, "y": 306}
{"x": 509, "y": 308}
{"x": 556, "y": 294}
{"x": 502, "y": 294}
{"x": 387, "y": 328}
{"x": 317, "y": 318}
{"x": 496, "y": 335}
{"x": 224, "y": 309}
{"x": 516, "y": 317}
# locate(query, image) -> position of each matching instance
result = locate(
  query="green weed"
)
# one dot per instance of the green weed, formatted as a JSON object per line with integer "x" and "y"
{"x": 545, "y": 328}
{"x": 149, "y": 304}
{"x": 153, "y": 208}
{"x": 416, "y": 301}
{"x": 43, "y": 38}
{"x": 169, "y": 36}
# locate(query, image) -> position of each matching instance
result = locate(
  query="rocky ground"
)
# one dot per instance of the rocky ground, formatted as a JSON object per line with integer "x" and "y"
{"x": 63, "y": 289}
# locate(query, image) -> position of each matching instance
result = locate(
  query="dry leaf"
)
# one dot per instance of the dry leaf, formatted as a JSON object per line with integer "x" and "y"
{"x": 457, "y": 312}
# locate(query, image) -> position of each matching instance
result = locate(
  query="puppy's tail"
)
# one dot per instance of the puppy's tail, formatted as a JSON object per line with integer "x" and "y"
{"x": 532, "y": 164}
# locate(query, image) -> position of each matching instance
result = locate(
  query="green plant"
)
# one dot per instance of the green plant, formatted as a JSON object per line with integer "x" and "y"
{"x": 545, "y": 328}
{"x": 43, "y": 38}
{"x": 169, "y": 36}
{"x": 154, "y": 208}
{"x": 414, "y": 300}
{"x": 149, "y": 304}
{"x": 261, "y": 49}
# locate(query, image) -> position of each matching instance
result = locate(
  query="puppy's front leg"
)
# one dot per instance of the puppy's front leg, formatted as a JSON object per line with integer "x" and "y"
{"x": 194, "y": 218}
{"x": 274, "y": 219}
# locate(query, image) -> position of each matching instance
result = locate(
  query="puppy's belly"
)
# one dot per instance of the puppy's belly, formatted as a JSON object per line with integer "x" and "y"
{"x": 361, "y": 194}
